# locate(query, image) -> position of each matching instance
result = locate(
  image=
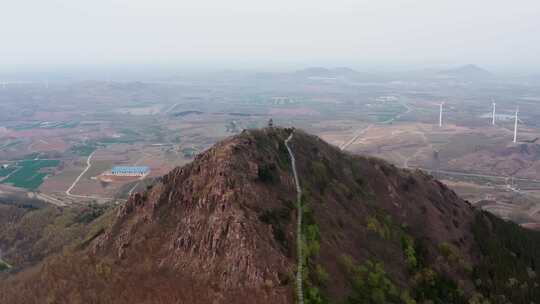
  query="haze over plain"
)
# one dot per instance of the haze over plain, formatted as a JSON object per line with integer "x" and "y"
{"x": 498, "y": 35}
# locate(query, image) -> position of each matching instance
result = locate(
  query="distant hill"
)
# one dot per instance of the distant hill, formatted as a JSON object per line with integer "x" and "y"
{"x": 320, "y": 71}
{"x": 468, "y": 71}
{"x": 339, "y": 72}
{"x": 222, "y": 229}
{"x": 535, "y": 77}
{"x": 465, "y": 72}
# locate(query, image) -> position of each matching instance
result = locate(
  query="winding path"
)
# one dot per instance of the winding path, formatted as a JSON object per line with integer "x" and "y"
{"x": 299, "y": 290}
{"x": 88, "y": 165}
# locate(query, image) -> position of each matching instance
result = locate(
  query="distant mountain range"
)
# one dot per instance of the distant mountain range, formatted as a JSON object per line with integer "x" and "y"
{"x": 465, "y": 72}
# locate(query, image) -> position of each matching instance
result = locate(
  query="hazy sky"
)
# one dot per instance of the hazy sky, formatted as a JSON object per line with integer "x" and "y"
{"x": 500, "y": 34}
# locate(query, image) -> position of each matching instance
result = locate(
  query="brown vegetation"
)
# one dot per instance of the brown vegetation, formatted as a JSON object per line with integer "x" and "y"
{"x": 221, "y": 230}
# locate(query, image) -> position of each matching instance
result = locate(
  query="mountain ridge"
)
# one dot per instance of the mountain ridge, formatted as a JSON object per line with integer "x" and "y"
{"x": 222, "y": 229}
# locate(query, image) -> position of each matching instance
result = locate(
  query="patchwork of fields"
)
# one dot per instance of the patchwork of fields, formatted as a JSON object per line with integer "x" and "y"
{"x": 29, "y": 174}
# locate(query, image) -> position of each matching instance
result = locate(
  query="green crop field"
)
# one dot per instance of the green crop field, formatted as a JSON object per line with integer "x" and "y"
{"x": 385, "y": 112}
{"x": 84, "y": 150}
{"x": 117, "y": 140}
{"x": 10, "y": 144}
{"x": 4, "y": 266}
{"x": 6, "y": 171}
{"x": 33, "y": 155}
{"x": 26, "y": 126}
{"x": 30, "y": 176}
{"x": 129, "y": 132}
{"x": 189, "y": 152}
{"x": 46, "y": 125}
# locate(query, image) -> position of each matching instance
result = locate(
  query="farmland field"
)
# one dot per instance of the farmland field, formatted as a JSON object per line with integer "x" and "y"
{"x": 117, "y": 140}
{"x": 84, "y": 150}
{"x": 30, "y": 174}
{"x": 3, "y": 265}
{"x": 10, "y": 144}
{"x": 164, "y": 125}
{"x": 385, "y": 112}
{"x": 6, "y": 171}
{"x": 46, "y": 125}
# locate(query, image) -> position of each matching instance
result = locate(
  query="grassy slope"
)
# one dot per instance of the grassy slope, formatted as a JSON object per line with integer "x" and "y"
{"x": 30, "y": 233}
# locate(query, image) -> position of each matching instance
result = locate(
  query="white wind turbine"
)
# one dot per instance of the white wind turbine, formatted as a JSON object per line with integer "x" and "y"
{"x": 493, "y": 116}
{"x": 441, "y": 113}
{"x": 516, "y": 125}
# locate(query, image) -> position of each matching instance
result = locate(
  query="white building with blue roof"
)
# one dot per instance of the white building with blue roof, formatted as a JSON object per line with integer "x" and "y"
{"x": 130, "y": 171}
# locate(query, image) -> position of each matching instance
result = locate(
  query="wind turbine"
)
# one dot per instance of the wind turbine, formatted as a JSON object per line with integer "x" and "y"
{"x": 516, "y": 125}
{"x": 493, "y": 117}
{"x": 440, "y": 113}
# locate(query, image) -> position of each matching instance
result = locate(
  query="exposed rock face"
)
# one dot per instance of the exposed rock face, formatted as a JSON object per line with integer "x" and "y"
{"x": 196, "y": 235}
{"x": 222, "y": 230}
{"x": 202, "y": 221}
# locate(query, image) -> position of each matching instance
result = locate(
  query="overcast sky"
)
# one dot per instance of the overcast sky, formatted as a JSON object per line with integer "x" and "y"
{"x": 498, "y": 34}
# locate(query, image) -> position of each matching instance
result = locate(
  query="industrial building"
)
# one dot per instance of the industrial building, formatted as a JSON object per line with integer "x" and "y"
{"x": 130, "y": 171}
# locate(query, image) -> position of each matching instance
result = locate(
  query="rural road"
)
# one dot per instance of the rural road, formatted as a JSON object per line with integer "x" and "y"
{"x": 299, "y": 290}
{"x": 49, "y": 199}
{"x": 477, "y": 175}
{"x": 364, "y": 130}
{"x": 88, "y": 165}
{"x": 391, "y": 120}
{"x": 355, "y": 137}
{"x": 428, "y": 146}
{"x": 171, "y": 108}
{"x": 533, "y": 210}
